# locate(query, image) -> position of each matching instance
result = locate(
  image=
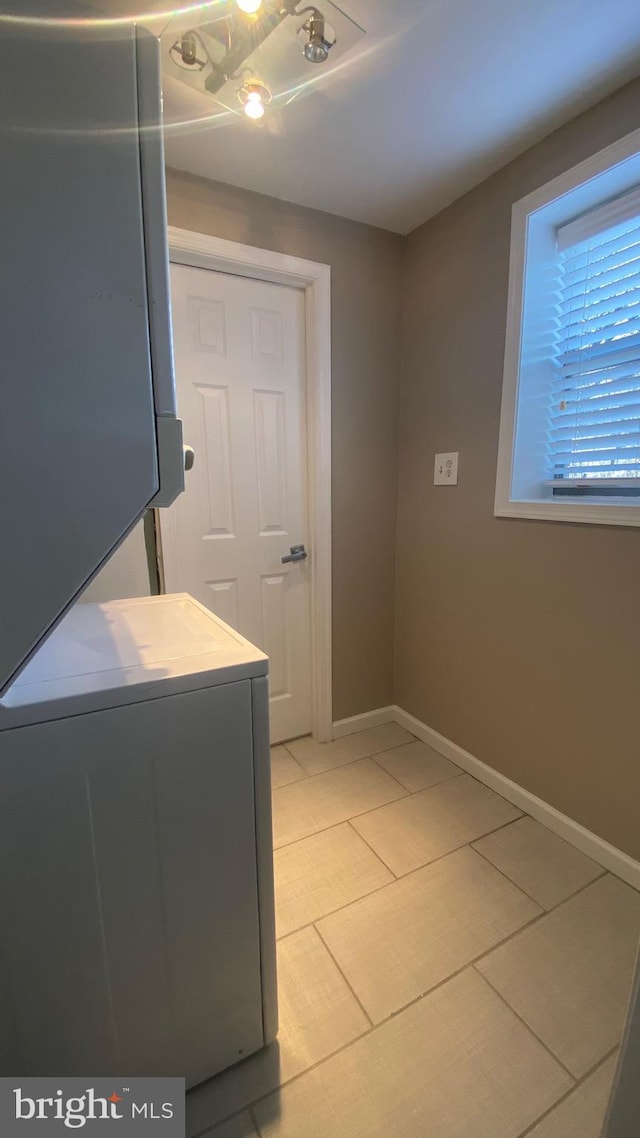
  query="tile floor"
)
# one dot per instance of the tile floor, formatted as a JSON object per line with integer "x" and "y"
{"x": 448, "y": 968}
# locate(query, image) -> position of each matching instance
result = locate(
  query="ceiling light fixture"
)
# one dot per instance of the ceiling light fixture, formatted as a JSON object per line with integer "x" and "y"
{"x": 189, "y": 52}
{"x": 250, "y": 7}
{"x": 210, "y": 57}
{"x": 318, "y": 48}
{"x": 188, "y": 49}
{"x": 255, "y": 98}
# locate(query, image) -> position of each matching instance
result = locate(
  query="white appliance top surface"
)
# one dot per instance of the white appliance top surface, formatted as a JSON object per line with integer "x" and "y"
{"x": 104, "y": 647}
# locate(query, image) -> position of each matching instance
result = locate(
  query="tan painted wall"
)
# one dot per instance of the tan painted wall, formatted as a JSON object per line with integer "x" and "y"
{"x": 519, "y": 640}
{"x": 126, "y": 573}
{"x": 366, "y": 314}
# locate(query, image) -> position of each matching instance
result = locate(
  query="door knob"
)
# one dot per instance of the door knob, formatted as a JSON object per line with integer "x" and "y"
{"x": 298, "y": 553}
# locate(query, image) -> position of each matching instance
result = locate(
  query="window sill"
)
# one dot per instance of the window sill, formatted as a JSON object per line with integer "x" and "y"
{"x": 587, "y": 513}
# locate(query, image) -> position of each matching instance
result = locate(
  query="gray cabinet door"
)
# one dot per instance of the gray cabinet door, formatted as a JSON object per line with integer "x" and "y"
{"x": 78, "y": 455}
{"x": 128, "y": 890}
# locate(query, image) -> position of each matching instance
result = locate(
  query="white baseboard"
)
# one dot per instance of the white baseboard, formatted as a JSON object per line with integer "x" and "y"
{"x": 364, "y": 722}
{"x": 605, "y": 854}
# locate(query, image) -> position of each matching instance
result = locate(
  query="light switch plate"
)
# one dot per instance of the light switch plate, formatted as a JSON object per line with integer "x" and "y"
{"x": 446, "y": 469}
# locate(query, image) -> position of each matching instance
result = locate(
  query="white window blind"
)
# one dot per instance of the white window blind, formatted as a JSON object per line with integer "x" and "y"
{"x": 594, "y": 416}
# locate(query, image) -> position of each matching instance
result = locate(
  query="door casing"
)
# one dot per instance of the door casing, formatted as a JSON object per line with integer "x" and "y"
{"x": 205, "y": 252}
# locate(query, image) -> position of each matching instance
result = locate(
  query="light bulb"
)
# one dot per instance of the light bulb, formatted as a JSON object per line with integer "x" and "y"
{"x": 255, "y": 96}
{"x": 249, "y": 6}
{"x": 254, "y": 107}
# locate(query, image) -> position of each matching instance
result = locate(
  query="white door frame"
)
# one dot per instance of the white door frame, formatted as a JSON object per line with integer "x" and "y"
{"x": 205, "y": 252}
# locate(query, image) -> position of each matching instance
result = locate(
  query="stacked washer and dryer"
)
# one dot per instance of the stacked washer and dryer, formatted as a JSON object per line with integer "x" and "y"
{"x": 136, "y": 877}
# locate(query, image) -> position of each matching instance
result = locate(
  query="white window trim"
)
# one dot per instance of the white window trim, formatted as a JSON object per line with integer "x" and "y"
{"x": 621, "y": 163}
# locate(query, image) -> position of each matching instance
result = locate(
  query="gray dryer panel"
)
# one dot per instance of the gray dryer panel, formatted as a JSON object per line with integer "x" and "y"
{"x": 130, "y": 938}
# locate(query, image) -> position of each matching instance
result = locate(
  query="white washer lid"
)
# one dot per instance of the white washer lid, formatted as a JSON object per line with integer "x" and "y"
{"x": 136, "y": 648}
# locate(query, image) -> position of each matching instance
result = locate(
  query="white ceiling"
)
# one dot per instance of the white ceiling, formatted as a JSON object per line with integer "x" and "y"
{"x": 438, "y": 95}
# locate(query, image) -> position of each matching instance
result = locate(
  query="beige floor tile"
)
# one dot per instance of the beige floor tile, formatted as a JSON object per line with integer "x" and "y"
{"x": 417, "y": 766}
{"x": 581, "y": 1114}
{"x": 569, "y": 975}
{"x": 318, "y": 1015}
{"x": 306, "y": 807}
{"x": 284, "y": 768}
{"x": 239, "y": 1127}
{"x": 398, "y": 943}
{"x": 434, "y": 822}
{"x": 457, "y": 1064}
{"x": 323, "y": 873}
{"x": 545, "y": 866}
{"x": 319, "y": 757}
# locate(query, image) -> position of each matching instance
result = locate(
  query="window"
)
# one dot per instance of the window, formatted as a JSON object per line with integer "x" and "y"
{"x": 570, "y": 427}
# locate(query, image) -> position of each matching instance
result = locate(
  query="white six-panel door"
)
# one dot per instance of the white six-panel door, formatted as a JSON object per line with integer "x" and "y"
{"x": 240, "y": 375}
